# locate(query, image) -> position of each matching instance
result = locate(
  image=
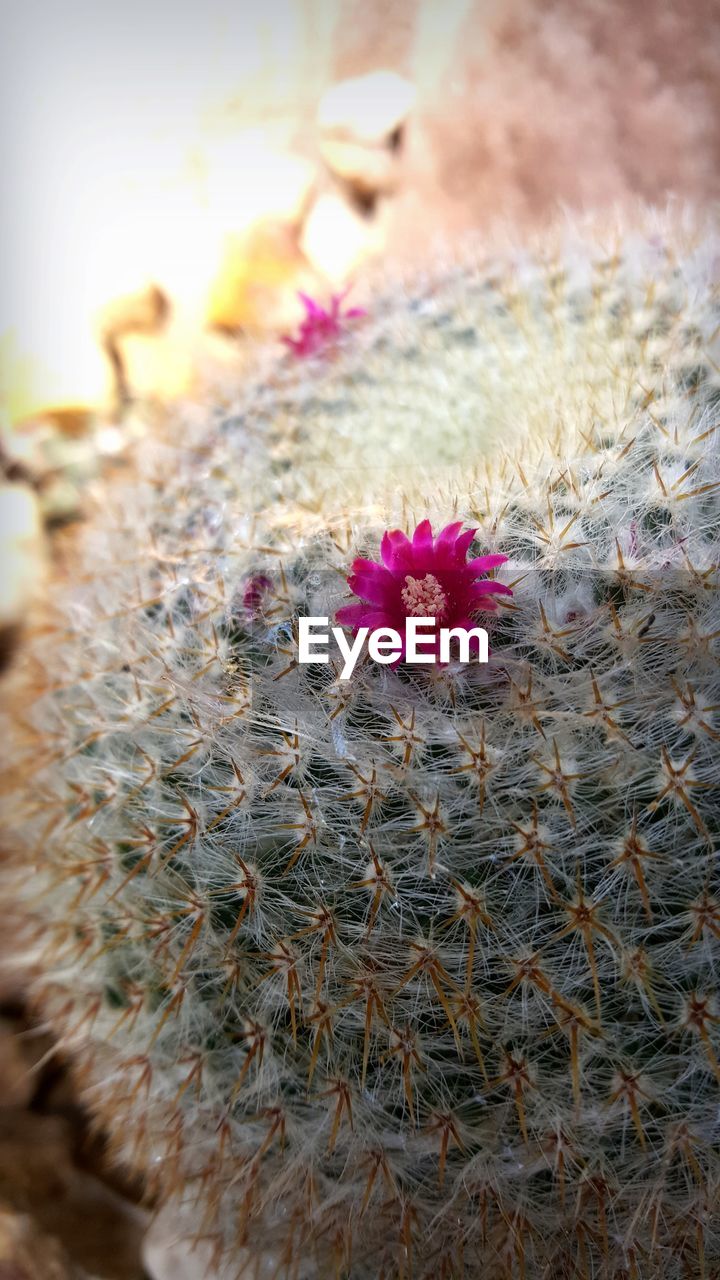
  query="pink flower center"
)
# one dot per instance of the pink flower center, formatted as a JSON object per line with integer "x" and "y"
{"x": 424, "y": 597}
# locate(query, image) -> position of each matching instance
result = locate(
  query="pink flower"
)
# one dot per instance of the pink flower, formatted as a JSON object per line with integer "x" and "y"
{"x": 423, "y": 578}
{"x": 320, "y": 326}
{"x": 253, "y": 593}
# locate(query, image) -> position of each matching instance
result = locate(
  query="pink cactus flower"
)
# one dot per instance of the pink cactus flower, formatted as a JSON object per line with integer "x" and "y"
{"x": 321, "y": 327}
{"x": 255, "y": 589}
{"x": 423, "y": 577}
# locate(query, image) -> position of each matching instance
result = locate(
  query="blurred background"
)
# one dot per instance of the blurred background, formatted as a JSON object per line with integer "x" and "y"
{"x": 173, "y": 173}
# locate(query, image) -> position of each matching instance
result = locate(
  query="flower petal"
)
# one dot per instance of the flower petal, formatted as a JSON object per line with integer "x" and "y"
{"x": 448, "y": 535}
{"x": 312, "y": 307}
{"x": 462, "y": 545}
{"x": 351, "y": 615}
{"x": 363, "y": 615}
{"x": 468, "y": 624}
{"x": 422, "y": 542}
{"x": 481, "y": 564}
{"x": 490, "y": 586}
{"x": 444, "y": 551}
{"x": 379, "y": 587}
{"x": 482, "y": 595}
{"x": 361, "y": 565}
{"x": 396, "y": 550}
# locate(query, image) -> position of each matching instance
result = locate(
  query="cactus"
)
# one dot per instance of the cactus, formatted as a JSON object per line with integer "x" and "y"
{"x": 413, "y": 974}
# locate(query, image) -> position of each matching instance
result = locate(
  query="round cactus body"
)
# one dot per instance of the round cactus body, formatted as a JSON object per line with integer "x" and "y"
{"x": 411, "y": 974}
